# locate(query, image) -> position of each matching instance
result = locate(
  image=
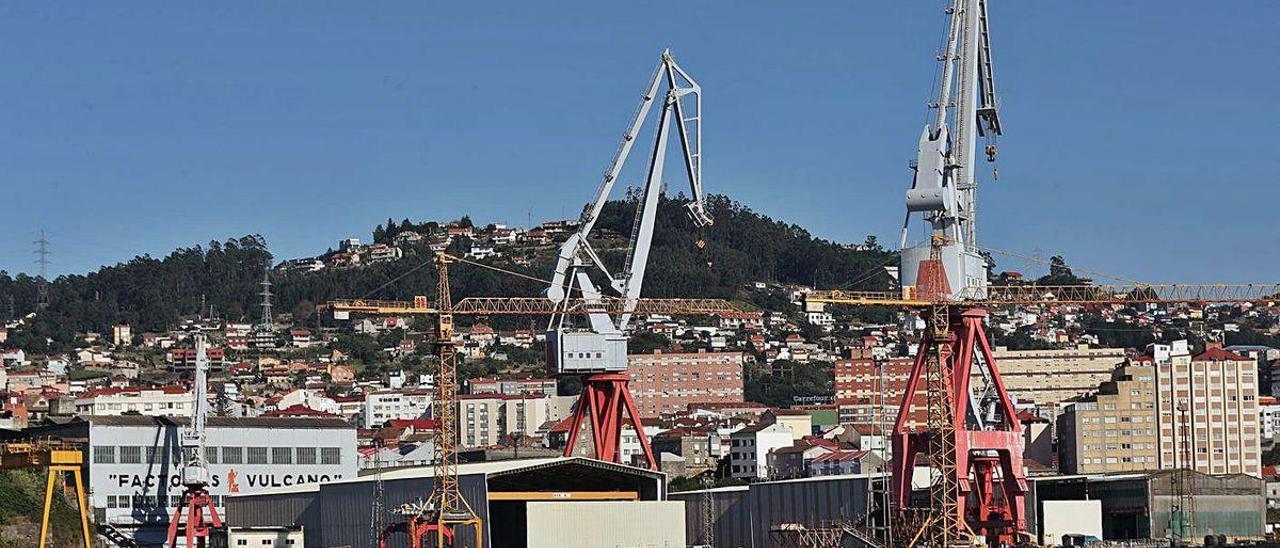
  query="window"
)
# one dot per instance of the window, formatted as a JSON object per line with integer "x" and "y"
{"x": 281, "y": 455}
{"x": 242, "y": 542}
{"x": 257, "y": 455}
{"x": 330, "y": 455}
{"x": 232, "y": 455}
{"x": 104, "y": 454}
{"x": 130, "y": 454}
{"x": 211, "y": 455}
{"x": 151, "y": 455}
{"x": 306, "y": 455}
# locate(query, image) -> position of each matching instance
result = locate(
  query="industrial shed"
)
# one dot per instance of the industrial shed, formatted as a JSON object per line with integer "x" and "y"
{"x": 746, "y": 515}
{"x": 504, "y": 493}
{"x": 1137, "y": 505}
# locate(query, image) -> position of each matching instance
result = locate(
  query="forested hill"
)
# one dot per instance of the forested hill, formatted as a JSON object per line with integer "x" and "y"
{"x": 152, "y": 294}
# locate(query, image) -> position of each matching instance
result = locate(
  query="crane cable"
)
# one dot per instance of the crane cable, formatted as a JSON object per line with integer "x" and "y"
{"x": 1073, "y": 268}
{"x": 458, "y": 259}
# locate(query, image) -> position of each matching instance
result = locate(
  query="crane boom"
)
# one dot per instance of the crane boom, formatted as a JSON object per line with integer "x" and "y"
{"x": 944, "y": 189}
{"x": 1063, "y": 294}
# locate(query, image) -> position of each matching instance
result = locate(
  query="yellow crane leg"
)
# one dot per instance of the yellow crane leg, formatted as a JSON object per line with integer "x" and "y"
{"x": 48, "y": 502}
{"x": 81, "y": 503}
{"x": 84, "y": 506}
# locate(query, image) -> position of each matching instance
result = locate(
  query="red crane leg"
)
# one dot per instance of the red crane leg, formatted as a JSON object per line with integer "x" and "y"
{"x": 606, "y": 399}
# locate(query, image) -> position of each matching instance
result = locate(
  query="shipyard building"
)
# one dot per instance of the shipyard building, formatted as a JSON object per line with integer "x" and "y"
{"x": 134, "y": 463}
{"x": 556, "y": 501}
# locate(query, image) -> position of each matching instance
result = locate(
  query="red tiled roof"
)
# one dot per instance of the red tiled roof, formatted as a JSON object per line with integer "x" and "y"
{"x": 840, "y": 456}
{"x": 1219, "y": 355}
{"x": 417, "y": 424}
{"x": 109, "y": 391}
{"x": 300, "y": 410}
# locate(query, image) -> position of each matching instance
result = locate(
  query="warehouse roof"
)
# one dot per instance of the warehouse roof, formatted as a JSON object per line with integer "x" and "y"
{"x": 546, "y": 471}
{"x": 219, "y": 422}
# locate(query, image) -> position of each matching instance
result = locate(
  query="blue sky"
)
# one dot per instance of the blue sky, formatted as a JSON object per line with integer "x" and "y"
{"x": 1139, "y": 140}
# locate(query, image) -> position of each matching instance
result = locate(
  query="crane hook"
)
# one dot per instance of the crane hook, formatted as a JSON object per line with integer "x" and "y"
{"x": 991, "y": 153}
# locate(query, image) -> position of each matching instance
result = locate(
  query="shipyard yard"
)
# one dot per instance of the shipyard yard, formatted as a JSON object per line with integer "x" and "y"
{"x": 640, "y": 359}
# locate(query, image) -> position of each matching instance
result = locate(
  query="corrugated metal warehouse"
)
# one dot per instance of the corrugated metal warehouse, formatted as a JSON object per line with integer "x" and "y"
{"x": 1137, "y": 505}
{"x": 745, "y": 515}
{"x": 504, "y": 493}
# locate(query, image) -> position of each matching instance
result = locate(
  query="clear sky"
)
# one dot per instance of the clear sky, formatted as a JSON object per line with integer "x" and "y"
{"x": 1139, "y": 136}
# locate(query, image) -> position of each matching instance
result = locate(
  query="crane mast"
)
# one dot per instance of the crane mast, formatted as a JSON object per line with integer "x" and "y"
{"x": 944, "y": 189}
{"x": 600, "y": 352}
{"x": 195, "y": 501}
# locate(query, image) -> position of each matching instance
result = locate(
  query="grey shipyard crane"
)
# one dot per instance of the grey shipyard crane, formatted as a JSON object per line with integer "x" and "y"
{"x": 195, "y": 501}
{"x": 599, "y": 353}
{"x": 945, "y": 187}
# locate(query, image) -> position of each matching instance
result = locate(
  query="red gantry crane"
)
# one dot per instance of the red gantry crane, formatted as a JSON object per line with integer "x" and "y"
{"x": 972, "y": 438}
{"x": 446, "y": 509}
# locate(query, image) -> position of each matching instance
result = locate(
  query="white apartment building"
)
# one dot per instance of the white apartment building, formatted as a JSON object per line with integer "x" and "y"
{"x": 380, "y": 407}
{"x": 749, "y": 449}
{"x": 491, "y": 419}
{"x": 1269, "y": 419}
{"x": 1207, "y": 410}
{"x": 174, "y": 401}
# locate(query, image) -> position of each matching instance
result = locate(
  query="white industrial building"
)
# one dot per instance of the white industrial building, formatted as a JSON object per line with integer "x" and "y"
{"x": 134, "y": 470}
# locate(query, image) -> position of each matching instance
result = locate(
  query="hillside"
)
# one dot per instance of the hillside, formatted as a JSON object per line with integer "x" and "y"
{"x": 21, "y": 503}
{"x": 152, "y": 294}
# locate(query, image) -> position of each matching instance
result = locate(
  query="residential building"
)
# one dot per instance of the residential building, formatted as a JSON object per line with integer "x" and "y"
{"x": 1207, "y": 409}
{"x": 668, "y": 382}
{"x": 869, "y": 390}
{"x": 382, "y": 406}
{"x": 798, "y": 421}
{"x": 546, "y": 387}
{"x": 156, "y": 402}
{"x": 184, "y": 359}
{"x": 1114, "y": 429}
{"x": 121, "y": 335}
{"x": 499, "y": 419}
{"x": 1051, "y": 376}
{"x": 698, "y": 446}
{"x": 1268, "y": 418}
{"x": 749, "y": 449}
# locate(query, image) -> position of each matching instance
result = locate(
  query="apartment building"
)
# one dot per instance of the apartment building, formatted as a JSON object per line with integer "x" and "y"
{"x": 494, "y": 419}
{"x": 380, "y": 407}
{"x": 749, "y": 449}
{"x": 1207, "y": 409}
{"x": 1114, "y": 429}
{"x": 172, "y": 401}
{"x": 869, "y": 391}
{"x": 184, "y": 359}
{"x": 1048, "y": 377}
{"x": 512, "y": 386}
{"x": 668, "y": 382}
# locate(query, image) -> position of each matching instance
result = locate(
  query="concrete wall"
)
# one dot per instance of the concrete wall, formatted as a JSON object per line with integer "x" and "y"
{"x": 1060, "y": 517}
{"x": 606, "y": 523}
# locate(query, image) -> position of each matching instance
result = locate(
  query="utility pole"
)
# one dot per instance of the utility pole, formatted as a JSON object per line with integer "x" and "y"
{"x": 42, "y": 283}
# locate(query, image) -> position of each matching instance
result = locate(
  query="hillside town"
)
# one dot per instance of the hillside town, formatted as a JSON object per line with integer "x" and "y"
{"x": 795, "y": 390}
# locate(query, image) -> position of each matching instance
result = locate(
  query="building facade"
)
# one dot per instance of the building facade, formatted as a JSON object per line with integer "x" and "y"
{"x": 1113, "y": 430}
{"x": 1207, "y": 407}
{"x": 669, "y": 382}
{"x": 380, "y": 407}
{"x": 135, "y": 467}
{"x": 749, "y": 450}
{"x": 1048, "y": 377}
{"x": 155, "y": 402}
